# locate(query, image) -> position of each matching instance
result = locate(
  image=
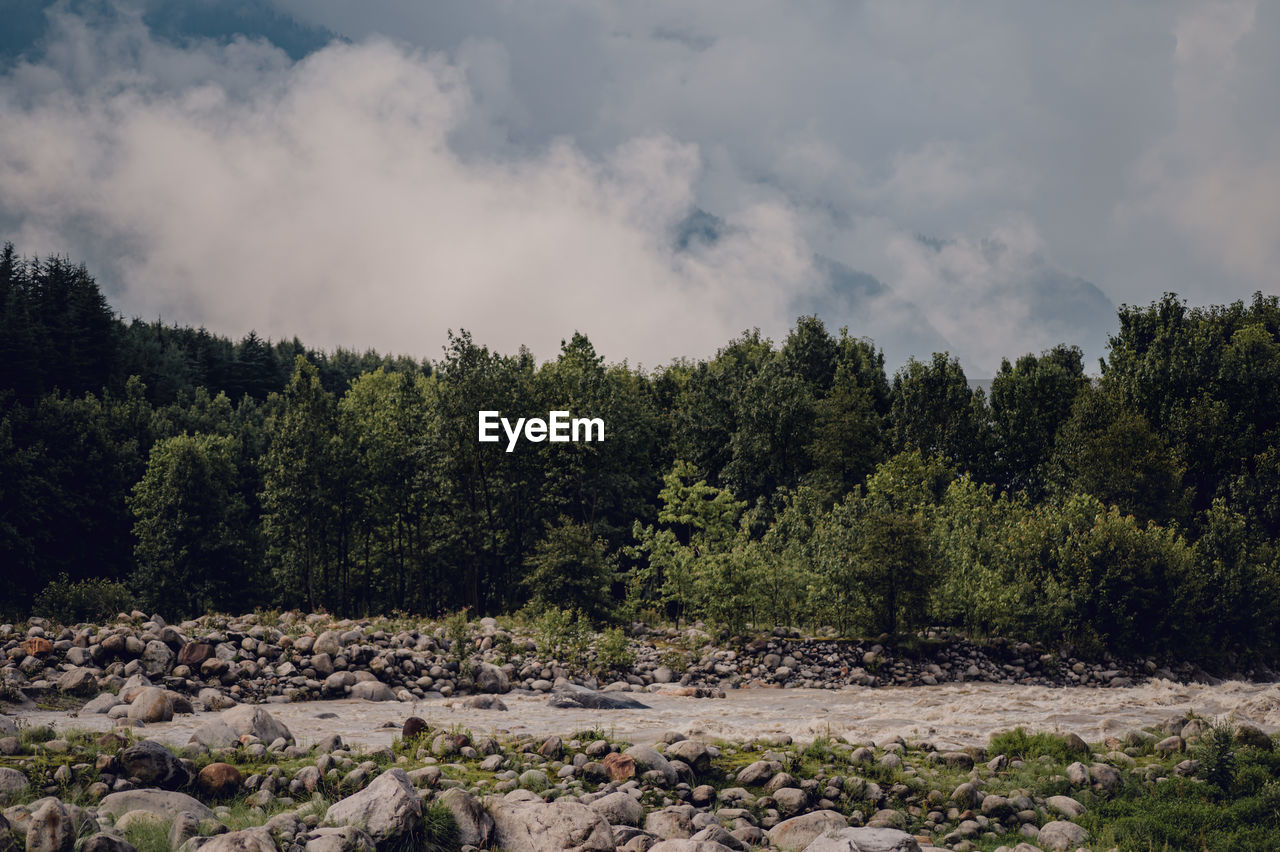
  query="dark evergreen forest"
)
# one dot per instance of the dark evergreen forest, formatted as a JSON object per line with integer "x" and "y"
{"x": 779, "y": 482}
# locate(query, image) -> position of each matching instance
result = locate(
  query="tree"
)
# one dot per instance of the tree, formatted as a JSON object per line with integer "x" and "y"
{"x": 934, "y": 410}
{"x": 189, "y": 525}
{"x": 571, "y": 569}
{"x": 1030, "y": 400}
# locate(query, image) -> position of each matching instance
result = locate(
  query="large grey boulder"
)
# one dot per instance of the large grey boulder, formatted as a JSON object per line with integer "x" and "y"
{"x": 341, "y": 838}
{"x": 1059, "y": 836}
{"x": 686, "y": 845}
{"x": 151, "y": 704}
{"x": 327, "y": 643}
{"x": 246, "y": 840}
{"x": 372, "y": 690}
{"x": 864, "y": 840}
{"x": 215, "y": 734}
{"x": 619, "y": 809}
{"x": 523, "y": 821}
{"x": 569, "y": 695}
{"x": 475, "y": 826}
{"x": 103, "y": 842}
{"x": 157, "y": 658}
{"x": 758, "y": 774}
{"x": 101, "y": 704}
{"x": 167, "y": 803}
{"x": 671, "y": 823}
{"x": 691, "y": 752}
{"x": 649, "y": 760}
{"x": 1065, "y": 805}
{"x": 250, "y": 720}
{"x": 153, "y": 765}
{"x": 78, "y": 681}
{"x": 490, "y": 678}
{"x": 51, "y": 828}
{"x": 13, "y": 784}
{"x": 798, "y": 832}
{"x": 387, "y": 809}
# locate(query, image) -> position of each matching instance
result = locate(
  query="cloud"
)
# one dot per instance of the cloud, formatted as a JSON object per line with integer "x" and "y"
{"x": 227, "y": 185}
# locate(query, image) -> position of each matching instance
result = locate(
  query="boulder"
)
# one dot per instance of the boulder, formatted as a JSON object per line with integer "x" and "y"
{"x": 249, "y": 720}
{"x": 619, "y": 766}
{"x": 246, "y": 840}
{"x": 570, "y": 695}
{"x": 484, "y": 702}
{"x": 691, "y": 752}
{"x": 153, "y": 765}
{"x": 864, "y": 840}
{"x": 51, "y": 828}
{"x": 798, "y": 832}
{"x": 103, "y": 842}
{"x": 414, "y": 726}
{"x": 101, "y": 704}
{"x": 12, "y": 784}
{"x": 151, "y": 704}
{"x": 215, "y": 734}
{"x": 687, "y": 845}
{"x": 619, "y": 809}
{"x": 157, "y": 658}
{"x": 1060, "y": 836}
{"x": 757, "y": 774}
{"x": 372, "y": 690}
{"x": 491, "y": 679}
{"x": 387, "y": 809}
{"x": 327, "y": 643}
{"x": 78, "y": 681}
{"x": 219, "y": 781}
{"x": 344, "y": 838}
{"x": 671, "y": 823}
{"x": 649, "y": 760}
{"x": 193, "y": 654}
{"x": 1064, "y": 805}
{"x": 475, "y": 826}
{"x": 164, "y": 802}
{"x": 529, "y": 824}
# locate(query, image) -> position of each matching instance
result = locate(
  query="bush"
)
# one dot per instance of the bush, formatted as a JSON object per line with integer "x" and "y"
{"x": 613, "y": 651}
{"x": 70, "y": 602}
{"x": 1018, "y": 743}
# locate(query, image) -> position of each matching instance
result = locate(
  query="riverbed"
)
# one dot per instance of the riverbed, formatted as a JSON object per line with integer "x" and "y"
{"x": 948, "y": 714}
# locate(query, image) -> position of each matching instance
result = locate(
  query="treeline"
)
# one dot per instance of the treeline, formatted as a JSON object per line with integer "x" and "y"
{"x": 773, "y": 483}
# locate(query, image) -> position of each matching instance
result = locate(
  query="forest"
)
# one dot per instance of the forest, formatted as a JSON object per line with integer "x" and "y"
{"x": 788, "y": 482}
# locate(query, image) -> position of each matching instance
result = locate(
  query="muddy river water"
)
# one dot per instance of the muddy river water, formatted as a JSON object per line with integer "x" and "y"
{"x": 959, "y": 714}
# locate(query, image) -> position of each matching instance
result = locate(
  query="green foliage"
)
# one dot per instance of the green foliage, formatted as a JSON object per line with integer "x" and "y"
{"x": 71, "y": 602}
{"x": 613, "y": 651}
{"x": 1217, "y": 755}
{"x": 439, "y": 829}
{"x": 1018, "y": 743}
{"x": 562, "y": 635}
{"x": 571, "y": 568}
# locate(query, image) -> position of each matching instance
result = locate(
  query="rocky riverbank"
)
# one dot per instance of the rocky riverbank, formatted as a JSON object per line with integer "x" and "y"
{"x": 292, "y": 657}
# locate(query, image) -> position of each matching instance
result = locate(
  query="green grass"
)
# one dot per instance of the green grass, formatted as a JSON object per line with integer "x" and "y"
{"x": 1018, "y": 743}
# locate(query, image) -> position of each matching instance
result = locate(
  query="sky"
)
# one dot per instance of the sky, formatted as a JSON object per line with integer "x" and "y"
{"x": 986, "y": 178}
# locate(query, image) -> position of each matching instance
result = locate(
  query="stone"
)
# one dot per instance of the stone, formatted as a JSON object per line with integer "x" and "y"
{"x": 164, "y": 802}
{"x": 246, "y": 840}
{"x": 1251, "y": 735}
{"x": 864, "y": 840}
{"x": 153, "y": 765}
{"x": 484, "y": 702}
{"x": 372, "y": 690}
{"x": 675, "y": 822}
{"x": 570, "y": 695}
{"x": 151, "y": 704}
{"x": 758, "y": 774}
{"x": 619, "y": 809}
{"x": 37, "y": 646}
{"x": 527, "y": 823}
{"x": 157, "y": 658}
{"x": 103, "y": 842}
{"x": 219, "y": 781}
{"x": 13, "y": 784}
{"x": 345, "y": 838}
{"x": 619, "y": 766}
{"x": 327, "y": 643}
{"x": 414, "y": 726}
{"x": 793, "y": 835}
{"x": 78, "y": 681}
{"x": 100, "y": 704}
{"x": 1064, "y": 805}
{"x": 687, "y": 845}
{"x": 184, "y": 827}
{"x": 1061, "y": 836}
{"x": 388, "y": 808}
{"x": 1106, "y": 777}
{"x": 791, "y": 800}
{"x": 214, "y": 699}
{"x": 248, "y": 720}
{"x": 649, "y": 760}
{"x": 1078, "y": 774}
{"x": 193, "y": 654}
{"x": 50, "y": 828}
{"x": 475, "y": 826}
{"x": 215, "y": 734}
{"x": 693, "y": 753}
{"x": 489, "y": 678}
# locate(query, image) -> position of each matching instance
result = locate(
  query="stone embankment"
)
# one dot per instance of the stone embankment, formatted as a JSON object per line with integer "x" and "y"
{"x": 217, "y": 661}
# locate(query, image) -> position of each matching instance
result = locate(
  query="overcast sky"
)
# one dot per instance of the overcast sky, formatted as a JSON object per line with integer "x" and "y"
{"x": 990, "y": 178}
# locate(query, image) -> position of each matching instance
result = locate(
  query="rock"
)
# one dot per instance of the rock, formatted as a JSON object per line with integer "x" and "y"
{"x": 619, "y": 766}
{"x": 484, "y": 702}
{"x": 184, "y": 827}
{"x": 372, "y": 690}
{"x": 489, "y": 678}
{"x": 247, "y": 719}
{"x": 619, "y": 809}
{"x": 1250, "y": 735}
{"x": 1078, "y": 774}
{"x": 327, "y": 643}
{"x": 531, "y": 825}
{"x": 101, "y": 704}
{"x": 864, "y": 840}
{"x": 193, "y": 654}
{"x": 246, "y": 840}
{"x": 965, "y": 796}
{"x": 151, "y": 704}
{"x": 103, "y": 842}
{"x": 12, "y": 784}
{"x": 570, "y": 695}
{"x": 1064, "y": 805}
{"x": 414, "y": 726}
{"x": 1106, "y": 777}
{"x": 153, "y": 765}
{"x": 649, "y": 760}
{"x": 791, "y": 800}
{"x": 1075, "y": 743}
{"x": 1169, "y": 745}
{"x": 215, "y": 734}
{"x": 214, "y": 699}
{"x": 686, "y": 845}
{"x": 793, "y": 835}
{"x": 675, "y": 822}
{"x": 758, "y": 774}
{"x": 157, "y": 658}
{"x": 51, "y": 828}
{"x": 78, "y": 681}
{"x": 164, "y": 802}
{"x": 345, "y": 838}
{"x": 691, "y": 752}
{"x": 1060, "y": 836}
{"x": 37, "y": 646}
{"x": 219, "y": 781}
{"x": 388, "y": 808}
{"x": 475, "y": 826}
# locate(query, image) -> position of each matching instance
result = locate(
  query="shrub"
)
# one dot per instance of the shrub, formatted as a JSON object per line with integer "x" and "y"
{"x": 70, "y": 602}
